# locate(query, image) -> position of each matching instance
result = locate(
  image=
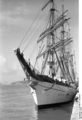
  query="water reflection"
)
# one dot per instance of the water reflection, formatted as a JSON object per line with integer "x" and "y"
{"x": 58, "y": 112}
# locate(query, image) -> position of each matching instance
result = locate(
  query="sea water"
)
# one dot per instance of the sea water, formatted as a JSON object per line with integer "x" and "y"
{"x": 16, "y": 103}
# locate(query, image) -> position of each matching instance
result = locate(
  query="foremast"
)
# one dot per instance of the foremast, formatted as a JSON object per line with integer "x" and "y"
{"x": 49, "y": 56}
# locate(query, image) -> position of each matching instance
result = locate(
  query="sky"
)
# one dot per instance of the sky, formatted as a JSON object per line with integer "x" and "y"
{"x": 16, "y": 16}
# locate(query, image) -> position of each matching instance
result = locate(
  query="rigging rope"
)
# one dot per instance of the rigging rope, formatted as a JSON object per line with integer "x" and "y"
{"x": 30, "y": 36}
{"x": 28, "y": 29}
{"x": 22, "y": 40}
{"x": 34, "y": 33}
{"x": 40, "y": 50}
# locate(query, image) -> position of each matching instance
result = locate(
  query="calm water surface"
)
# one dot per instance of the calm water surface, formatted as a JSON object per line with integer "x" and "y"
{"x": 16, "y": 103}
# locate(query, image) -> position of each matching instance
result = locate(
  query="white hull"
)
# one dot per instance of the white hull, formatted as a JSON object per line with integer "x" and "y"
{"x": 58, "y": 94}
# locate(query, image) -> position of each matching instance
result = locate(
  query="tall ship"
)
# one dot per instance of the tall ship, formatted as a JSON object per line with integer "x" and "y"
{"x": 55, "y": 81}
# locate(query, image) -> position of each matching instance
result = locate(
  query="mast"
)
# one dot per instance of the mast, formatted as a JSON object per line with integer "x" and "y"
{"x": 63, "y": 58}
{"x": 62, "y": 33}
{"x": 51, "y": 41}
{"x": 63, "y": 47}
{"x": 49, "y": 57}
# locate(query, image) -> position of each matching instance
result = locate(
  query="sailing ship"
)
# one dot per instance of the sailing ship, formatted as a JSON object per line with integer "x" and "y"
{"x": 56, "y": 81}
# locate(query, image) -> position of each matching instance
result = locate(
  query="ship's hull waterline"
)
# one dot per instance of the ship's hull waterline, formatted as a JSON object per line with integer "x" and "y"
{"x": 45, "y": 95}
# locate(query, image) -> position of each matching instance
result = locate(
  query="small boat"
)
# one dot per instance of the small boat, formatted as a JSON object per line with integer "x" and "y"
{"x": 56, "y": 81}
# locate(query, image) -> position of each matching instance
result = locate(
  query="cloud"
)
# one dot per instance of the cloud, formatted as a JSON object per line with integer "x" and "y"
{"x": 2, "y": 63}
{"x": 2, "y": 60}
{"x": 10, "y": 72}
{"x": 17, "y": 10}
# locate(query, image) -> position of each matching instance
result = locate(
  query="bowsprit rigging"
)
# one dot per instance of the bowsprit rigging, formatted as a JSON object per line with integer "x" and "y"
{"x": 56, "y": 72}
{"x": 31, "y": 32}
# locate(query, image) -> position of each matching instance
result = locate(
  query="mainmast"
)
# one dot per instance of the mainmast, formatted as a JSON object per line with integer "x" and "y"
{"x": 51, "y": 41}
{"x": 62, "y": 33}
{"x": 49, "y": 57}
